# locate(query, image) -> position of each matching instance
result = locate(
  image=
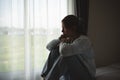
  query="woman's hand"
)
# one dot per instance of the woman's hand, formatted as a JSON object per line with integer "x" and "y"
{"x": 67, "y": 39}
{"x": 63, "y": 38}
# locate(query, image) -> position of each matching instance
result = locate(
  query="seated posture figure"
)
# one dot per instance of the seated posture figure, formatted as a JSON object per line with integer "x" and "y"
{"x": 71, "y": 55}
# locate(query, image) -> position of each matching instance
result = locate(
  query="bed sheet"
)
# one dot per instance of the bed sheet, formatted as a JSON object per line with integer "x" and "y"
{"x": 111, "y": 72}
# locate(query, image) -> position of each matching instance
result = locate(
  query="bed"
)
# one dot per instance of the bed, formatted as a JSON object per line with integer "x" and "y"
{"x": 111, "y": 72}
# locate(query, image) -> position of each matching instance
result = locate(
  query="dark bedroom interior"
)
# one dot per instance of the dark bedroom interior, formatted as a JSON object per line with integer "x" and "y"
{"x": 101, "y": 25}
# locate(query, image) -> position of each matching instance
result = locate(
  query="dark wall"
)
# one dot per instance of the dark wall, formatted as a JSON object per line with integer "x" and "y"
{"x": 104, "y": 30}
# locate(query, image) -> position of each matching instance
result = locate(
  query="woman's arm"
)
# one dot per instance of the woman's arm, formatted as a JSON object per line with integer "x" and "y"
{"x": 52, "y": 44}
{"x": 78, "y": 46}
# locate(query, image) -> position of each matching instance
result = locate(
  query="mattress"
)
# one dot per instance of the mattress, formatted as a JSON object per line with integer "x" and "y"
{"x": 111, "y": 72}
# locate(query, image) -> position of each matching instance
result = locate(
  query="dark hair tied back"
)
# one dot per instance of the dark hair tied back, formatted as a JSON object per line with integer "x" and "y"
{"x": 72, "y": 20}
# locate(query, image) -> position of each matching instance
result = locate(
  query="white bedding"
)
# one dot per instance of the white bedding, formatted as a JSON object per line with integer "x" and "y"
{"x": 111, "y": 72}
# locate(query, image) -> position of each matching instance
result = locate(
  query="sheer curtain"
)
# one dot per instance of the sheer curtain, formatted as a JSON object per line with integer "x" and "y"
{"x": 26, "y": 26}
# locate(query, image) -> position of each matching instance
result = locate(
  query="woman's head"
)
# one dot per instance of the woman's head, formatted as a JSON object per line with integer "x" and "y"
{"x": 71, "y": 25}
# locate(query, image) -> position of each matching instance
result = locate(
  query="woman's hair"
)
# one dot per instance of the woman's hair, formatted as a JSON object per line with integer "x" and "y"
{"x": 71, "y": 21}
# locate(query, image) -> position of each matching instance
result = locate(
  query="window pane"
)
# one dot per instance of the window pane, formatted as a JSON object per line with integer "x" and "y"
{"x": 44, "y": 25}
{"x": 11, "y": 40}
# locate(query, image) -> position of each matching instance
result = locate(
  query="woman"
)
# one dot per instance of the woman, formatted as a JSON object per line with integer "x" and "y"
{"x": 74, "y": 58}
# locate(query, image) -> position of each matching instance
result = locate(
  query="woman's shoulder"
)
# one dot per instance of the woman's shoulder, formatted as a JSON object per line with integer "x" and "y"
{"x": 83, "y": 40}
{"x": 83, "y": 37}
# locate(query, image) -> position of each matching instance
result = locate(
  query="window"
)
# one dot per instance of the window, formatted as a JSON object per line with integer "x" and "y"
{"x": 26, "y": 26}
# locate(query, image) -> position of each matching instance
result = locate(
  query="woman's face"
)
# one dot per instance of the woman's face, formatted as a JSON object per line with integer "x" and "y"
{"x": 66, "y": 31}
